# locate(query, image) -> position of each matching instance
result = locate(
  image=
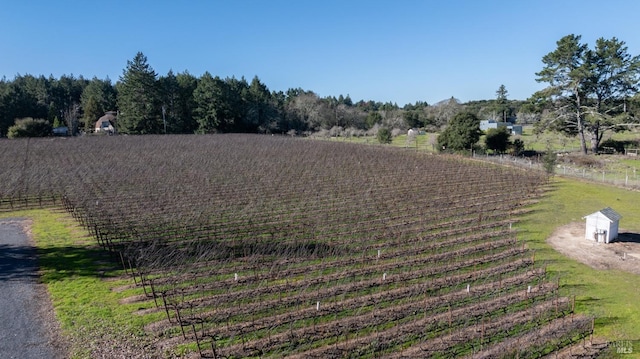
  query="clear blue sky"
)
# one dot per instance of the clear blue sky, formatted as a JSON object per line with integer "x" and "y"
{"x": 397, "y": 50}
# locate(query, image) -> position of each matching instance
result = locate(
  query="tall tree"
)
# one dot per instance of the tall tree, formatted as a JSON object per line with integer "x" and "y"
{"x": 615, "y": 78}
{"x": 139, "y": 100}
{"x": 502, "y": 106}
{"x": 187, "y": 84}
{"x": 587, "y": 87}
{"x": 261, "y": 111}
{"x": 5, "y": 111}
{"x": 212, "y": 112}
{"x": 98, "y": 97}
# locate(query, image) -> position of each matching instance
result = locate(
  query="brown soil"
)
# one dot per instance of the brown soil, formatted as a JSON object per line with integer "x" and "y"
{"x": 622, "y": 254}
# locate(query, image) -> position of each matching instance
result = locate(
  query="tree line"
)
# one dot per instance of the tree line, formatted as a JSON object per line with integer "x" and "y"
{"x": 148, "y": 103}
{"x": 589, "y": 92}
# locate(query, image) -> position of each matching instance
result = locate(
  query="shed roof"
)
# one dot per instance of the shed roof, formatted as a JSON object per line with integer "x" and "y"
{"x": 608, "y": 212}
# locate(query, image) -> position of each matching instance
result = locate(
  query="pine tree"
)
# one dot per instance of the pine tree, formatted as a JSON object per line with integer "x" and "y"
{"x": 97, "y": 98}
{"x": 212, "y": 110}
{"x": 139, "y": 99}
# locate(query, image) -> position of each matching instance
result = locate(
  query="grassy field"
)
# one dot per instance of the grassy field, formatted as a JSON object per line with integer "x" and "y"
{"x": 87, "y": 291}
{"x": 614, "y": 169}
{"x": 532, "y": 141}
{"x": 611, "y": 296}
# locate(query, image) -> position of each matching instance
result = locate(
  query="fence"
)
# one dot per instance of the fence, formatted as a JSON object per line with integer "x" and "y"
{"x": 629, "y": 178}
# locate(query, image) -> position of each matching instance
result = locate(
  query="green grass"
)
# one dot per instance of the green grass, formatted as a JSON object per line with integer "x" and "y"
{"x": 537, "y": 142}
{"x": 612, "y": 296}
{"x": 80, "y": 280}
{"x": 426, "y": 142}
{"x": 560, "y": 142}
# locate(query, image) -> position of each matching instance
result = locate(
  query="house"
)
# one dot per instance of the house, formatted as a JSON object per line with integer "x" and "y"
{"x": 488, "y": 124}
{"x": 106, "y": 123}
{"x": 602, "y": 226}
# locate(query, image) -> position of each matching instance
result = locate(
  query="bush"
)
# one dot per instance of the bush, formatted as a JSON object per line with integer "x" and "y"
{"x": 581, "y": 160}
{"x": 384, "y": 135}
{"x": 517, "y": 147}
{"x": 612, "y": 145}
{"x": 497, "y": 139}
{"x": 549, "y": 161}
{"x": 29, "y": 127}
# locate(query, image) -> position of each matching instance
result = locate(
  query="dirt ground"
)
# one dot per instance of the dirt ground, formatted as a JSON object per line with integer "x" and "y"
{"x": 622, "y": 254}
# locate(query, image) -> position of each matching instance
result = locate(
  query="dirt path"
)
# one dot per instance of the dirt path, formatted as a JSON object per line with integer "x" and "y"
{"x": 29, "y": 327}
{"x": 622, "y": 254}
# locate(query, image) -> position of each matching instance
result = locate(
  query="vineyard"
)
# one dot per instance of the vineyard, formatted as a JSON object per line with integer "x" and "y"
{"x": 263, "y": 246}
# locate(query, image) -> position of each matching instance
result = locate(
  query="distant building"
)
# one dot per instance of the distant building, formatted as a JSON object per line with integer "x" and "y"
{"x": 488, "y": 124}
{"x": 602, "y": 226}
{"x": 106, "y": 123}
{"x": 61, "y": 131}
{"x": 515, "y": 129}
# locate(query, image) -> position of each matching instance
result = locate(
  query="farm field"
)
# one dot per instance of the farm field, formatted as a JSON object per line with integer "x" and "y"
{"x": 532, "y": 141}
{"x": 261, "y": 246}
{"x": 614, "y": 169}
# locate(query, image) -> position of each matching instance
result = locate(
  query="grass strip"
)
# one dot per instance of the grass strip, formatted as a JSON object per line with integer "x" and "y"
{"x": 81, "y": 278}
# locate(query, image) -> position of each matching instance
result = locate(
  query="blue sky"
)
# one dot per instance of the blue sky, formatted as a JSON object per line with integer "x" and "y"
{"x": 400, "y": 51}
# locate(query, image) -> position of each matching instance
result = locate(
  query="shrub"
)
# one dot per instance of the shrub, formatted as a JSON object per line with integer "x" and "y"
{"x": 29, "y": 127}
{"x": 549, "y": 161}
{"x": 384, "y": 135}
{"x": 617, "y": 146}
{"x": 517, "y": 147}
{"x": 497, "y": 139}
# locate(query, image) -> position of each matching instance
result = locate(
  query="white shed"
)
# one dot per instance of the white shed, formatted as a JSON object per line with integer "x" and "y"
{"x": 602, "y": 226}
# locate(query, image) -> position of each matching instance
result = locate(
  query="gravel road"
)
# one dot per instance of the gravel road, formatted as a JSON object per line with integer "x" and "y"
{"x": 27, "y": 323}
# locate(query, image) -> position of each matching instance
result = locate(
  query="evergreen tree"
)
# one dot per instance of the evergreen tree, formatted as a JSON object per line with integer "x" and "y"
{"x": 588, "y": 89}
{"x": 211, "y": 112}
{"x": 461, "y": 134}
{"x": 185, "y": 122}
{"x": 497, "y": 139}
{"x": 236, "y": 97}
{"x": 502, "y": 106}
{"x": 139, "y": 100}
{"x": 170, "y": 91}
{"x": 98, "y": 97}
{"x": 261, "y": 112}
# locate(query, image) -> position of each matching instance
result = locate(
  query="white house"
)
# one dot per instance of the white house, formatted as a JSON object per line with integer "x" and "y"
{"x": 602, "y": 226}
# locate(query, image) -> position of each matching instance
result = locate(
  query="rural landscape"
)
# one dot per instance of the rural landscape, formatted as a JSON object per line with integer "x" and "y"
{"x": 201, "y": 217}
{"x": 251, "y": 246}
